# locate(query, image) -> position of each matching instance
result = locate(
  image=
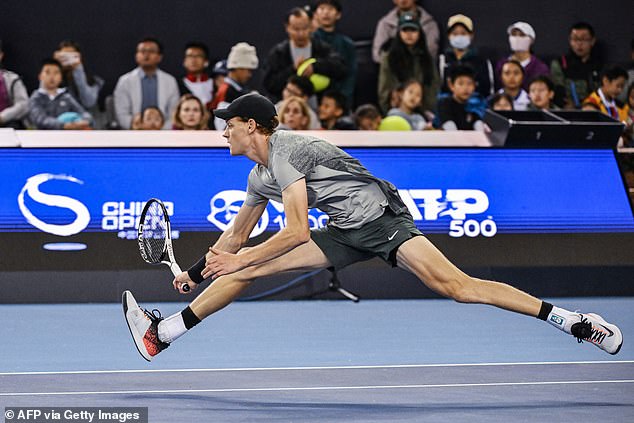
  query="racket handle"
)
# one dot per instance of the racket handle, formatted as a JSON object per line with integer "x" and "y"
{"x": 176, "y": 270}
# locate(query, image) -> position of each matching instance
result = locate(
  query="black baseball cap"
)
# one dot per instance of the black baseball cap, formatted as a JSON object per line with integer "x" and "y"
{"x": 250, "y": 106}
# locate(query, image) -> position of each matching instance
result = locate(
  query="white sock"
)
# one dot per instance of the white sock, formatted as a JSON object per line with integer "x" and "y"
{"x": 562, "y": 319}
{"x": 171, "y": 328}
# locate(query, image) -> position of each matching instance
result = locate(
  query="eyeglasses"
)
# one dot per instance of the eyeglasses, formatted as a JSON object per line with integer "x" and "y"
{"x": 581, "y": 40}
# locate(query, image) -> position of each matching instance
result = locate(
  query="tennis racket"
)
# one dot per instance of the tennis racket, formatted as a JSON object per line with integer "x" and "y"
{"x": 155, "y": 237}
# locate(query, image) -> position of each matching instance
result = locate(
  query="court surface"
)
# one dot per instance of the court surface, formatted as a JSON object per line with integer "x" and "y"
{"x": 323, "y": 361}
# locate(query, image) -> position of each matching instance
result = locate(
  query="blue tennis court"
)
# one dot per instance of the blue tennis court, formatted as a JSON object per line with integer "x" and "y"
{"x": 323, "y": 361}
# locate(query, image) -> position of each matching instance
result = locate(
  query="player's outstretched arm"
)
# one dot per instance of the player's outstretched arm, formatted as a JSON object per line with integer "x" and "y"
{"x": 230, "y": 241}
{"x": 296, "y": 232}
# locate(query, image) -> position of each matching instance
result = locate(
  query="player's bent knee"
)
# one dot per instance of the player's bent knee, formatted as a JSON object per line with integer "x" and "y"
{"x": 462, "y": 289}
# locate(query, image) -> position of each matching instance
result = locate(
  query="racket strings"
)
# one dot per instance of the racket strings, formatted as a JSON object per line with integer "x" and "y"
{"x": 154, "y": 233}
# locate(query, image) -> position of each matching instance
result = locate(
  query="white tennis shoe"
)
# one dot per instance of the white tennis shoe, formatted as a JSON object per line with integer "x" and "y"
{"x": 594, "y": 329}
{"x": 143, "y": 327}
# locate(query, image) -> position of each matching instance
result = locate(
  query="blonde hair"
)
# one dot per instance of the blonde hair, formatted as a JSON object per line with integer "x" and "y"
{"x": 178, "y": 123}
{"x": 303, "y": 105}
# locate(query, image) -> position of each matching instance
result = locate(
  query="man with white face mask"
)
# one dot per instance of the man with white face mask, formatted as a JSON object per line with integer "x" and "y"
{"x": 461, "y": 52}
{"x": 521, "y": 39}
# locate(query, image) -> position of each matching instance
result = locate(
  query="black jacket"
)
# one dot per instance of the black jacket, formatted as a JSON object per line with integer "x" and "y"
{"x": 279, "y": 66}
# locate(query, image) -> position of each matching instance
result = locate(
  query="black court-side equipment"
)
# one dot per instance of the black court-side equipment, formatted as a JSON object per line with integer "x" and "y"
{"x": 155, "y": 237}
{"x": 552, "y": 129}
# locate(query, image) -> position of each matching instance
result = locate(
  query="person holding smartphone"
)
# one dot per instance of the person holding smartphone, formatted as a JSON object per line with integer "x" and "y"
{"x": 83, "y": 86}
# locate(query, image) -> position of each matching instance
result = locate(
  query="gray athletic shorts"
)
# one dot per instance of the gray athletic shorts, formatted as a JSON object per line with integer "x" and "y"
{"x": 379, "y": 238}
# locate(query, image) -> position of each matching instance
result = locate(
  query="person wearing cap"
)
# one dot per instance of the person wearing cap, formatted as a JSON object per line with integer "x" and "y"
{"x": 14, "y": 99}
{"x": 241, "y": 63}
{"x": 218, "y": 73}
{"x": 408, "y": 58}
{"x": 387, "y": 27}
{"x": 521, "y": 39}
{"x": 460, "y": 52}
{"x": 196, "y": 81}
{"x": 327, "y": 14}
{"x": 300, "y": 52}
{"x": 367, "y": 218}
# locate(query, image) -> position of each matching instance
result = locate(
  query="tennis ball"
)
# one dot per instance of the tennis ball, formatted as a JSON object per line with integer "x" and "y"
{"x": 394, "y": 123}
{"x": 320, "y": 82}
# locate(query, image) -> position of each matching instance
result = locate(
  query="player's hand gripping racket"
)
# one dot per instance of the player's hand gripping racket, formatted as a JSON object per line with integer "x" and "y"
{"x": 155, "y": 237}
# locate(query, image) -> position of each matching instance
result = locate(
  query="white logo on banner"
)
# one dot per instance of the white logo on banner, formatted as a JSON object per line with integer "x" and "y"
{"x": 423, "y": 204}
{"x": 224, "y": 209}
{"x": 32, "y": 187}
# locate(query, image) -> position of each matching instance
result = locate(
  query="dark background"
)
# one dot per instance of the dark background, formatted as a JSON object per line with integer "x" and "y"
{"x": 109, "y": 30}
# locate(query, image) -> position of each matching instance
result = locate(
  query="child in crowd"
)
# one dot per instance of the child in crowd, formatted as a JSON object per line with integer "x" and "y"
{"x": 294, "y": 114}
{"x": 501, "y": 102}
{"x": 190, "y": 114}
{"x": 612, "y": 84}
{"x": 300, "y": 86}
{"x": 367, "y": 117}
{"x": 541, "y": 91}
{"x": 52, "y": 107}
{"x": 150, "y": 119}
{"x": 453, "y": 111}
{"x": 410, "y": 104}
{"x": 512, "y": 76}
{"x": 332, "y": 111}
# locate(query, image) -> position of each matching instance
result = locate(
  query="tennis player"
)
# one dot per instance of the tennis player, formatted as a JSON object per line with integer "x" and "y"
{"x": 367, "y": 219}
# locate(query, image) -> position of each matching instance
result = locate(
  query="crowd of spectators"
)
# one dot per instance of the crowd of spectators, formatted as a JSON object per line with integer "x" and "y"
{"x": 311, "y": 76}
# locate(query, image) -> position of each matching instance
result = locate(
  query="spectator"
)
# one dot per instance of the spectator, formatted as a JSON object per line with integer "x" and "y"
{"x": 521, "y": 40}
{"x": 300, "y": 86}
{"x": 367, "y": 117}
{"x": 83, "y": 86}
{"x": 190, "y": 114}
{"x": 408, "y": 58}
{"x": 52, "y": 107}
{"x": 241, "y": 62}
{"x": 629, "y": 122}
{"x": 501, "y": 101}
{"x": 332, "y": 111}
{"x": 145, "y": 86}
{"x": 454, "y": 112}
{"x": 294, "y": 114}
{"x": 409, "y": 106}
{"x": 461, "y": 52}
{"x": 285, "y": 58}
{"x": 512, "y": 80}
{"x": 630, "y": 72}
{"x": 196, "y": 80}
{"x": 388, "y": 26}
{"x": 151, "y": 119}
{"x": 218, "y": 73}
{"x": 576, "y": 73}
{"x": 541, "y": 92}
{"x": 327, "y": 14}
{"x": 605, "y": 97}
{"x": 14, "y": 99}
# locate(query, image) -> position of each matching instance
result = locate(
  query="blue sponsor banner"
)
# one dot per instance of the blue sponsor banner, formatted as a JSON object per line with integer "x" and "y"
{"x": 462, "y": 192}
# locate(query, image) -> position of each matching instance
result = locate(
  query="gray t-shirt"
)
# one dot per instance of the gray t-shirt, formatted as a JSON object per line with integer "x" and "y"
{"x": 336, "y": 183}
{"x": 303, "y": 52}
